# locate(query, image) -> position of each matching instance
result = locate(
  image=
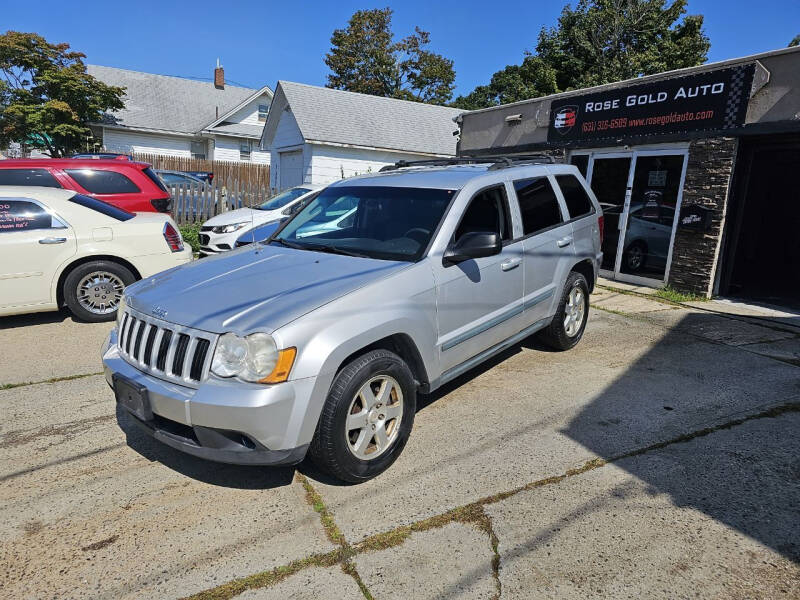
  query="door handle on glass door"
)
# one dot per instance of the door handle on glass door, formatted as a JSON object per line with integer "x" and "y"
{"x": 52, "y": 240}
{"x": 565, "y": 241}
{"x": 509, "y": 264}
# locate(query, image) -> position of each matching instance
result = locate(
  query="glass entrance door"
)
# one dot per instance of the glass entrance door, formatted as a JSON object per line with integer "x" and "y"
{"x": 640, "y": 194}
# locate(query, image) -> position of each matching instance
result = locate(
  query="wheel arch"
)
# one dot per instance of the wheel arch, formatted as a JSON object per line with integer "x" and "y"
{"x": 402, "y": 345}
{"x": 586, "y": 268}
{"x": 86, "y": 259}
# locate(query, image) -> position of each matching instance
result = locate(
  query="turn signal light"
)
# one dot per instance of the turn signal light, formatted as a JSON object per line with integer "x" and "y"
{"x": 282, "y": 368}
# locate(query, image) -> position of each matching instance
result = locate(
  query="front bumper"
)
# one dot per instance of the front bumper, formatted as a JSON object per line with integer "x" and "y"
{"x": 221, "y": 420}
{"x": 214, "y": 243}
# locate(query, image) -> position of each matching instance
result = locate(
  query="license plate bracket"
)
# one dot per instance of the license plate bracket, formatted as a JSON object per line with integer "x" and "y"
{"x": 133, "y": 397}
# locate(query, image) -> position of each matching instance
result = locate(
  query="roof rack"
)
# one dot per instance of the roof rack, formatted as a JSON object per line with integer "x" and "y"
{"x": 497, "y": 161}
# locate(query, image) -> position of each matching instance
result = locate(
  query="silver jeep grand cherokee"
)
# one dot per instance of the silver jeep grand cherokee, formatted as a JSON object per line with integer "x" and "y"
{"x": 384, "y": 286}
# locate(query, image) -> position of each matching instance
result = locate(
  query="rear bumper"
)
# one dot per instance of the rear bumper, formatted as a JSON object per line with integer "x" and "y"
{"x": 155, "y": 263}
{"x": 222, "y": 420}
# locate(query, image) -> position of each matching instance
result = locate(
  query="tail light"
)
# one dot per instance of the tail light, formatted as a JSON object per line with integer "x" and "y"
{"x": 161, "y": 204}
{"x": 210, "y": 177}
{"x": 601, "y": 225}
{"x": 173, "y": 238}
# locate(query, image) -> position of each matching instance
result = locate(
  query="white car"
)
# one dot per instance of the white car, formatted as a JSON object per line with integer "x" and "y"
{"x": 220, "y": 233}
{"x": 58, "y": 247}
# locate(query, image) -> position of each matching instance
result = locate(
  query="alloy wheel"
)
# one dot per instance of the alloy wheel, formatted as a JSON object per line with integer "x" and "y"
{"x": 374, "y": 417}
{"x": 574, "y": 311}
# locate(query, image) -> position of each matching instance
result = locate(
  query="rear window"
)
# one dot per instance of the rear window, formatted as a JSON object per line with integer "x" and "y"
{"x": 41, "y": 177}
{"x": 578, "y": 203}
{"x": 155, "y": 179}
{"x": 538, "y": 204}
{"x": 105, "y": 208}
{"x": 98, "y": 181}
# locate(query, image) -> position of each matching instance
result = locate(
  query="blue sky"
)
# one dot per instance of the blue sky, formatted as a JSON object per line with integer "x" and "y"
{"x": 261, "y": 42}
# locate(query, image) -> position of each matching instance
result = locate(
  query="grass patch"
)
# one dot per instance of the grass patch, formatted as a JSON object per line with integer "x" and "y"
{"x": 190, "y": 233}
{"x": 11, "y": 386}
{"x": 315, "y": 500}
{"x": 672, "y": 295}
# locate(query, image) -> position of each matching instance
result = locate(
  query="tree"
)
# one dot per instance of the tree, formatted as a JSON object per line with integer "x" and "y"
{"x": 601, "y": 41}
{"x": 365, "y": 58}
{"x": 795, "y": 41}
{"x": 531, "y": 79}
{"x": 46, "y": 96}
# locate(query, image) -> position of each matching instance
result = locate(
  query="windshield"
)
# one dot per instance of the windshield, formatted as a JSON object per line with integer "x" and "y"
{"x": 282, "y": 199}
{"x": 388, "y": 223}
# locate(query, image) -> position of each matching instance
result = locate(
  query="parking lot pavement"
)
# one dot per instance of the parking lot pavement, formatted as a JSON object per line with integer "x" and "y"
{"x": 657, "y": 458}
{"x": 49, "y": 345}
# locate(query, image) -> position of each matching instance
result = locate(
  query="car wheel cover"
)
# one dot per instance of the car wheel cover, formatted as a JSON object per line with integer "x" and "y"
{"x": 574, "y": 311}
{"x": 99, "y": 292}
{"x": 635, "y": 258}
{"x": 374, "y": 417}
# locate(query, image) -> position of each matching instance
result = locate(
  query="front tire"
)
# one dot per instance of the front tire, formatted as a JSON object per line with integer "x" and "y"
{"x": 569, "y": 322}
{"x": 367, "y": 417}
{"x": 92, "y": 291}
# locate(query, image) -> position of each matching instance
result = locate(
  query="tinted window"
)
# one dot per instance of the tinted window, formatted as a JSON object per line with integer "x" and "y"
{"x": 102, "y": 207}
{"x": 41, "y": 177}
{"x": 487, "y": 211}
{"x": 581, "y": 161}
{"x": 578, "y": 203}
{"x": 22, "y": 215}
{"x": 538, "y": 204}
{"x": 282, "y": 199}
{"x": 97, "y": 181}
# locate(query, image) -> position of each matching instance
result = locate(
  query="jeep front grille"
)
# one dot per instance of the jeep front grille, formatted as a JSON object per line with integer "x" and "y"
{"x": 165, "y": 350}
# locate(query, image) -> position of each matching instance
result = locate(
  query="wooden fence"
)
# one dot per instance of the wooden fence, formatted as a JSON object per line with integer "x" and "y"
{"x": 249, "y": 173}
{"x": 197, "y": 203}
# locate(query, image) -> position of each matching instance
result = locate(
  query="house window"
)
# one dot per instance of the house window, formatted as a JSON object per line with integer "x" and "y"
{"x": 245, "y": 148}
{"x": 263, "y": 109}
{"x": 199, "y": 150}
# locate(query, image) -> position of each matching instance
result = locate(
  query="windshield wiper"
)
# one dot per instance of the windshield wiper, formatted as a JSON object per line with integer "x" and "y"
{"x": 319, "y": 248}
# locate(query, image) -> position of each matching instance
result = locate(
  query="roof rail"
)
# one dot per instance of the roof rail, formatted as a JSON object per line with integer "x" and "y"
{"x": 497, "y": 161}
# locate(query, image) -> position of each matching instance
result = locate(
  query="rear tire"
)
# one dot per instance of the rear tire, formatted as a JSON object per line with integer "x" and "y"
{"x": 92, "y": 290}
{"x": 569, "y": 322}
{"x": 367, "y": 417}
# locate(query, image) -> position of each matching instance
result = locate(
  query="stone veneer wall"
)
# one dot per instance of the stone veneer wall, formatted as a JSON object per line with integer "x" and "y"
{"x": 708, "y": 177}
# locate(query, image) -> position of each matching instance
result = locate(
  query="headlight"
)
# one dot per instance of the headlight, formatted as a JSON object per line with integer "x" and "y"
{"x": 252, "y": 358}
{"x": 230, "y": 228}
{"x": 121, "y": 310}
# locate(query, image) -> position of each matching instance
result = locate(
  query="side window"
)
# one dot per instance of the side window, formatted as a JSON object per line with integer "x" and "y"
{"x": 41, "y": 177}
{"x": 21, "y": 215}
{"x": 487, "y": 211}
{"x": 538, "y": 204}
{"x": 578, "y": 203}
{"x": 97, "y": 181}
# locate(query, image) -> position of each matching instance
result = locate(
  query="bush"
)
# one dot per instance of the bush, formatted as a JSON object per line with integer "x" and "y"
{"x": 190, "y": 235}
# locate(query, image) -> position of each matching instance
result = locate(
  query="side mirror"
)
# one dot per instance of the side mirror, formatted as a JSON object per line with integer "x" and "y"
{"x": 475, "y": 244}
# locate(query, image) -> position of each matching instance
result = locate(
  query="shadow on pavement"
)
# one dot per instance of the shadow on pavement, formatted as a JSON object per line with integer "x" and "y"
{"x": 212, "y": 473}
{"x": 42, "y": 318}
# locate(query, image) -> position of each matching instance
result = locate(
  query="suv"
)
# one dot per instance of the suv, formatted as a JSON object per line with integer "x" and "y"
{"x": 321, "y": 343}
{"x": 131, "y": 186}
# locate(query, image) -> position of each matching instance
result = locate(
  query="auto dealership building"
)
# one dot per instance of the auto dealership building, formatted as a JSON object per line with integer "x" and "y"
{"x": 697, "y": 170}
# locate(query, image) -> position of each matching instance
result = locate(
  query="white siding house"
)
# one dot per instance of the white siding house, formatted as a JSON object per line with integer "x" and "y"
{"x": 174, "y": 116}
{"x": 319, "y": 135}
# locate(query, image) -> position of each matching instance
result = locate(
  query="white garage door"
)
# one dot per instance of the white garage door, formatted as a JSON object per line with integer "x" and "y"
{"x": 291, "y": 167}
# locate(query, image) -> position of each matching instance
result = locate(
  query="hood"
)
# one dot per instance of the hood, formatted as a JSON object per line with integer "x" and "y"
{"x": 253, "y": 288}
{"x": 244, "y": 214}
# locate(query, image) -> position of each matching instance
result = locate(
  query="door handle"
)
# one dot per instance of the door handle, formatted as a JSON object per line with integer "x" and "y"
{"x": 52, "y": 240}
{"x": 511, "y": 263}
{"x": 564, "y": 242}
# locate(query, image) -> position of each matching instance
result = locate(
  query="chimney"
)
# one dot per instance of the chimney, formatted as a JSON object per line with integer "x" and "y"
{"x": 219, "y": 77}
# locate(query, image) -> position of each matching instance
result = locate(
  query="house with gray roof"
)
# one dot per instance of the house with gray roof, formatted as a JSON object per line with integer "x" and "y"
{"x": 176, "y": 116}
{"x": 319, "y": 135}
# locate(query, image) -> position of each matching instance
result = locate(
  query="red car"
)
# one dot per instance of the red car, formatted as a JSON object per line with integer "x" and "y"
{"x": 131, "y": 186}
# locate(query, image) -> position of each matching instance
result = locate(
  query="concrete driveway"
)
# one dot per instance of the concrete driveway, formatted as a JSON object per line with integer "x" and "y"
{"x": 658, "y": 459}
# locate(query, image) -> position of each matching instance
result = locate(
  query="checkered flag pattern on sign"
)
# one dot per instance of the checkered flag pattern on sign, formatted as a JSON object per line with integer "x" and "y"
{"x": 737, "y": 91}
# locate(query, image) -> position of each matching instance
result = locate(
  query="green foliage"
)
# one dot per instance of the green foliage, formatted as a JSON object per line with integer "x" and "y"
{"x": 190, "y": 234}
{"x": 46, "y": 96}
{"x": 365, "y": 58}
{"x": 597, "y": 42}
{"x": 673, "y": 295}
{"x": 795, "y": 41}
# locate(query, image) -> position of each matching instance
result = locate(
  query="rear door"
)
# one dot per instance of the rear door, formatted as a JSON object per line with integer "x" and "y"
{"x": 583, "y": 216}
{"x": 39, "y": 242}
{"x": 547, "y": 244}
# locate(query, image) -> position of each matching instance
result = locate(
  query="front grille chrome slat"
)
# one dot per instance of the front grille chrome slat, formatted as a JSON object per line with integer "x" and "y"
{"x": 165, "y": 350}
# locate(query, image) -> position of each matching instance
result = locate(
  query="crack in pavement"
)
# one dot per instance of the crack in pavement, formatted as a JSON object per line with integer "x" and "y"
{"x": 68, "y": 431}
{"x": 472, "y": 513}
{"x": 11, "y": 386}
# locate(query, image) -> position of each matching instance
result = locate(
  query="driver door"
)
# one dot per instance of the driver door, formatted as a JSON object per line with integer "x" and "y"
{"x": 479, "y": 301}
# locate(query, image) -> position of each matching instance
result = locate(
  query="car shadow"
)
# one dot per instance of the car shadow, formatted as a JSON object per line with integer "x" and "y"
{"x": 212, "y": 473}
{"x": 41, "y": 318}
